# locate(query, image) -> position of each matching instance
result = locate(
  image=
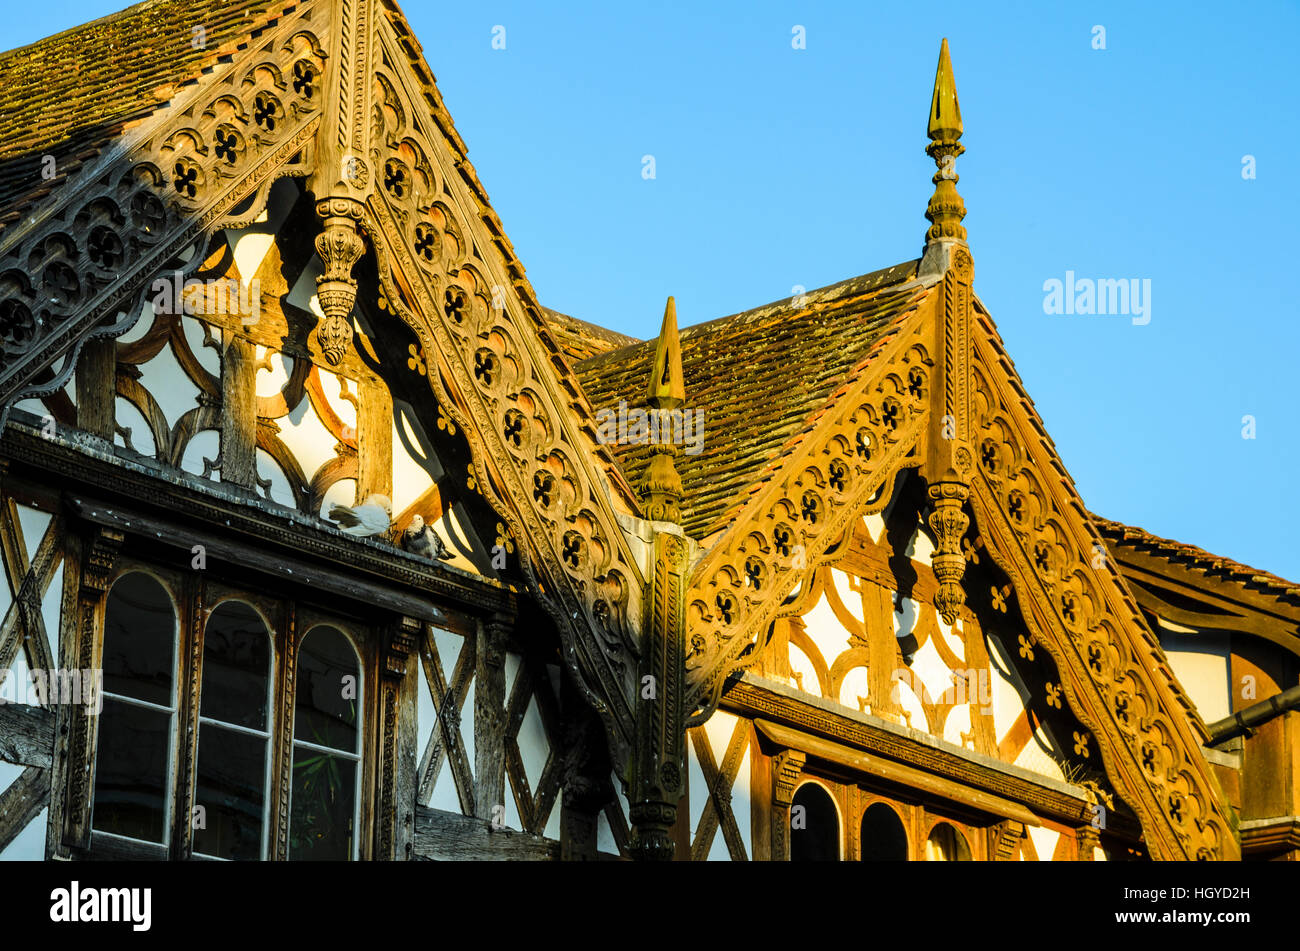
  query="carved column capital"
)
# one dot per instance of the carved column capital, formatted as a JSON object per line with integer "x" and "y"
{"x": 98, "y": 561}
{"x": 787, "y": 767}
{"x": 402, "y": 640}
{"x": 497, "y": 633}
{"x": 340, "y": 247}
{"x": 1088, "y": 838}
{"x": 1006, "y": 836}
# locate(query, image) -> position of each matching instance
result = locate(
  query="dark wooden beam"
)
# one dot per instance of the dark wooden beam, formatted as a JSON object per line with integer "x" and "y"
{"x": 26, "y": 735}
{"x": 82, "y": 467}
{"x": 449, "y": 837}
{"x": 97, "y": 388}
{"x": 219, "y": 549}
{"x": 22, "y": 802}
{"x": 239, "y": 411}
{"x": 490, "y": 720}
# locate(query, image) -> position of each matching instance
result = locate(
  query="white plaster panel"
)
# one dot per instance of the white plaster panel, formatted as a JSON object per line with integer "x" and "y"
{"x": 28, "y": 845}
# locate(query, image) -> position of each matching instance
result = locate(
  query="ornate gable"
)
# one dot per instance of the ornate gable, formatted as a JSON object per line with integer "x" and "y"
{"x": 1079, "y": 607}
{"x": 338, "y": 94}
{"x": 939, "y": 395}
{"x": 400, "y": 321}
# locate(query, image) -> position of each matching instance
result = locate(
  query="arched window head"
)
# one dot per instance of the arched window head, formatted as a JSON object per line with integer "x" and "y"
{"x": 946, "y": 844}
{"x": 326, "y": 748}
{"x": 133, "y": 778}
{"x": 883, "y": 837}
{"x": 814, "y": 825}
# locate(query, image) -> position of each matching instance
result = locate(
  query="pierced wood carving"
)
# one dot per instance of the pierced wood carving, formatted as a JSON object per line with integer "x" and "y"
{"x": 850, "y": 458}
{"x": 89, "y": 254}
{"x": 1079, "y": 608}
{"x": 447, "y": 270}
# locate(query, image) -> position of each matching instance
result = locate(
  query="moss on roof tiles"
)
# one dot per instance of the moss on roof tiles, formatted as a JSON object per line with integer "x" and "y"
{"x": 759, "y": 377}
{"x": 579, "y": 340}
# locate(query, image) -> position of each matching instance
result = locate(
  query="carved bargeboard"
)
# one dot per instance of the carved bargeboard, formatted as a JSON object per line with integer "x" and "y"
{"x": 92, "y": 252}
{"x": 1077, "y": 605}
{"x": 848, "y": 460}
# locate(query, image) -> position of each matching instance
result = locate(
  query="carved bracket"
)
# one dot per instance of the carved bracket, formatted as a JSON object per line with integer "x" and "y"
{"x": 787, "y": 767}
{"x": 402, "y": 641}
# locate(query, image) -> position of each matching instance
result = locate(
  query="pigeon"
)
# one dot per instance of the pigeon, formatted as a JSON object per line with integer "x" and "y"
{"x": 371, "y": 517}
{"x": 420, "y": 539}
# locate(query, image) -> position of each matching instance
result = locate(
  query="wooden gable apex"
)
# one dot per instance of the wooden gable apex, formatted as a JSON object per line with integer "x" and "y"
{"x": 337, "y": 92}
{"x": 448, "y": 271}
{"x": 941, "y": 395}
{"x": 1026, "y": 515}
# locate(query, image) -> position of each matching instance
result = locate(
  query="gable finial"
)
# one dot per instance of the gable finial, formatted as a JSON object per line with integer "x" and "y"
{"x": 946, "y": 209}
{"x": 666, "y": 389}
{"x": 662, "y": 490}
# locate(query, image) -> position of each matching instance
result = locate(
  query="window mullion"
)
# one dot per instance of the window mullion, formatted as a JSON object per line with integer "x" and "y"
{"x": 282, "y": 734}
{"x": 187, "y": 720}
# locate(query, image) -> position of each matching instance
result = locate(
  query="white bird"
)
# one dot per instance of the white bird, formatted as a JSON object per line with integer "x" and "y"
{"x": 420, "y": 539}
{"x": 371, "y": 517}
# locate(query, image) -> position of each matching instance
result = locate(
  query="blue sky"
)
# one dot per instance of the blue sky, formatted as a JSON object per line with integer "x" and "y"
{"x": 778, "y": 167}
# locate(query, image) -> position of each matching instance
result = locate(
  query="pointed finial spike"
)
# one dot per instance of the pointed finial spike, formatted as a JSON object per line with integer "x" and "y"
{"x": 661, "y": 487}
{"x": 945, "y": 111}
{"x": 946, "y": 209}
{"x": 667, "y": 388}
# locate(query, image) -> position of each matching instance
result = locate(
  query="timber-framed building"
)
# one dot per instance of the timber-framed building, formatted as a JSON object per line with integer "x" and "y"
{"x": 250, "y": 281}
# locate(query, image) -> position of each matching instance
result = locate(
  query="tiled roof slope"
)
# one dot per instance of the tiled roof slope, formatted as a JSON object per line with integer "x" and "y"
{"x": 758, "y": 376}
{"x": 579, "y": 340}
{"x": 1198, "y": 559}
{"x": 70, "y": 95}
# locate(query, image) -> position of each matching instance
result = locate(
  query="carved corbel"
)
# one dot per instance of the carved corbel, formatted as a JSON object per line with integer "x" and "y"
{"x": 340, "y": 247}
{"x": 659, "y": 759}
{"x": 1088, "y": 838}
{"x": 787, "y": 767}
{"x": 1006, "y": 837}
{"x": 402, "y": 640}
{"x": 97, "y": 567}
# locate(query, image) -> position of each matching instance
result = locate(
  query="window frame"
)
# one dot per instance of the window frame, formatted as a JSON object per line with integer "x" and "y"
{"x": 311, "y": 620}
{"x": 112, "y": 842}
{"x": 195, "y": 595}
{"x": 265, "y": 609}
